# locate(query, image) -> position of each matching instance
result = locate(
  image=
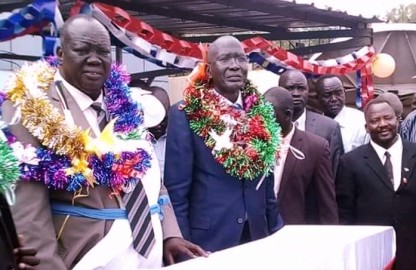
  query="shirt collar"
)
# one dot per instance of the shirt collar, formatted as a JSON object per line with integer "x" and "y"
{"x": 397, "y": 146}
{"x": 238, "y": 102}
{"x": 288, "y": 138}
{"x": 83, "y": 101}
{"x": 301, "y": 121}
{"x": 341, "y": 116}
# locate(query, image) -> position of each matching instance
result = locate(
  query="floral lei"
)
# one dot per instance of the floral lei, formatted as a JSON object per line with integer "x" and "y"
{"x": 69, "y": 159}
{"x": 243, "y": 141}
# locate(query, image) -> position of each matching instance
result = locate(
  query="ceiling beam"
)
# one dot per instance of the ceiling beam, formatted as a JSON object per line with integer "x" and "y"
{"x": 291, "y": 11}
{"x": 8, "y": 6}
{"x": 291, "y": 35}
{"x": 155, "y": 73}
{"x": 188, "y": 15}
{"x": 19, "y": 57}
{"x": 353, "y": 43}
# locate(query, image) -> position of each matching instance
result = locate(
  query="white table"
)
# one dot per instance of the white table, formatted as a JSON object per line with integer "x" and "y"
{"x": 306, "y": 247}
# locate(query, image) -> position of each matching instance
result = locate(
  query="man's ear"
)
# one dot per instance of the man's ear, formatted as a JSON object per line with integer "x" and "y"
{"x": 208, "y": 71}
{"x": 366, "y": 128}
{"x": 59, "y": 53}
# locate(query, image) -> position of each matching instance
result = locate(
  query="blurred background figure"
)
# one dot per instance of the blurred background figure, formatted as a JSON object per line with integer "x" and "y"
{"x": 331, "y": 96}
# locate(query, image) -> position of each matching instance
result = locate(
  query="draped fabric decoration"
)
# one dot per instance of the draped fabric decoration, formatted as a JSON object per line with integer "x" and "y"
{"x": 167, "y": 51}
{"x": 33, "y": 19}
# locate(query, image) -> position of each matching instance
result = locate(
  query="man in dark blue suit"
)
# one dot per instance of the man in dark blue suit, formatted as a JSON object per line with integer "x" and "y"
{"x": 219, "y": 205}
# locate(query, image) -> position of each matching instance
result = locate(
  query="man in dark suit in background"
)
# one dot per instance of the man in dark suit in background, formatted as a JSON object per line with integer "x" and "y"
{"x": 296, "y": 83}
{"x": 376, "y": 182}
{"x": 303, "y": 169}
{"x": 215, "y": 209}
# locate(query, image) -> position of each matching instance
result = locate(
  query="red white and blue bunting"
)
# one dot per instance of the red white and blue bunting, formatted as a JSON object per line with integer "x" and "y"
{"x": 32, "y": 19}
{"x": 165, "y": 50}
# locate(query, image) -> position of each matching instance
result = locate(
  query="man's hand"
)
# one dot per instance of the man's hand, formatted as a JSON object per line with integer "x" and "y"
{"x": 25, "y": 256}
{"x": 175, "y": 246}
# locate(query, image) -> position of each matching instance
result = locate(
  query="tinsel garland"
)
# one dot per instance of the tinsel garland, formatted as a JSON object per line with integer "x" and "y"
{"x": 9, "y": 167}
{"x": 69, "y": 158}
{"x": 243, "y": 141}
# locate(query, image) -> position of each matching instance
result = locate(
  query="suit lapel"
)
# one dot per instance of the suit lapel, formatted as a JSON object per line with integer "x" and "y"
{"x": 373, "y": 161}
{"x": 408, "y": 163}
{"x": 77, "y": 114}
{"x": 297, "y": 142}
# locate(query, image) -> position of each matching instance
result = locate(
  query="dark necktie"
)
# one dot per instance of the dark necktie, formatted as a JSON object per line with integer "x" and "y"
{"x": 389, "y": 167}
{"x": 101, "y": 115}
{"x": 137, "y": 207}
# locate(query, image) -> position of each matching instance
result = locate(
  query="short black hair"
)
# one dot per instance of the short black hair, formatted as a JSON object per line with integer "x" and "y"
{"x": 374, "y": 102}
{"x": 324, "y": 77}
{"x": 63, "y": 31}
{"x": 280, "y": 97}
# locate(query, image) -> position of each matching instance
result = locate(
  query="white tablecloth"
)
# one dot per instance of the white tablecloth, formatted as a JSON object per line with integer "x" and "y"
{"x": 307, "y": 247}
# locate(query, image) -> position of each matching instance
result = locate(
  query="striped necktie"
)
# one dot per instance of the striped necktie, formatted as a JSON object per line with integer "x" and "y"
{"x": 138, "y": 212}
{"x": 101, "y": 115}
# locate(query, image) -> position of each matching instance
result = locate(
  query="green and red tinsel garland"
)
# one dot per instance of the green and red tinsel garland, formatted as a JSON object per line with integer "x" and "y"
{"x": 249, "y": 137}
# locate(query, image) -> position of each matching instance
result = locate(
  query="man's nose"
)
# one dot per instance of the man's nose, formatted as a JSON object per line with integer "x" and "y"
{"x": 93, "y": 58}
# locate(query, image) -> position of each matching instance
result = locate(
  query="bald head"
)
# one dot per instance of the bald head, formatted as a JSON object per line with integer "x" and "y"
{"x": 297, "y": 84}
{"x": 219, "y": 43}
{"x": 282, "y": 102}
{"x": 227, "y": 66}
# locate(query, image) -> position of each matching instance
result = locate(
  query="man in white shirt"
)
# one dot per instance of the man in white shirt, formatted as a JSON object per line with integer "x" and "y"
{"x": 331, "y": 95}
{"x": 376, "y": 182}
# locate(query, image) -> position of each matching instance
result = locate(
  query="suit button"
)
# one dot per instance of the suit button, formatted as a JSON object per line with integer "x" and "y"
{"x": 240, "y": 220}
{"x": 397, "y": 195}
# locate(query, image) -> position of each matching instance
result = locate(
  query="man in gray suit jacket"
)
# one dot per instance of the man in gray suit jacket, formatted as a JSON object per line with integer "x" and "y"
{"x": 64, "y": 240}
{"x": 297, "y": 84}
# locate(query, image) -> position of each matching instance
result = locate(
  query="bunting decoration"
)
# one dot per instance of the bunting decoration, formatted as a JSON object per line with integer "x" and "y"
{"x": 32, "y": 19}
{"x": 165, "y": 50}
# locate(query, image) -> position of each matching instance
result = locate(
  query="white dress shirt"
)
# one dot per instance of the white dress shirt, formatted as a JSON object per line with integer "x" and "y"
{"x": 301, "y": 121}
{"x": 281, "y": 160}
{"x": 352, "y": 124}
{"x": 84, "y": 102}
{"x": 160, "y": 150}
{"x": 395, "y": 151}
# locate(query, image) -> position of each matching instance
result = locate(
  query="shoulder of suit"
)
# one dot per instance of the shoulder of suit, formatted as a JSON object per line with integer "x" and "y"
{"x": 357, "y": 152}
{"x": 312, "y": 138}
{"x": 322, "y": 119}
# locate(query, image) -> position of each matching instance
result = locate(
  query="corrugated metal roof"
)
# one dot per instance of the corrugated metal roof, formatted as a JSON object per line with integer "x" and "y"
{"x": 202, "y": 17}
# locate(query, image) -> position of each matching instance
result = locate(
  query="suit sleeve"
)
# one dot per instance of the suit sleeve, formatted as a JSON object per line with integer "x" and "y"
{"x": 178, "y": 174}
{"x": 274, "y": 219}
{"x": 323, "y": 181}
{"x": 336, "y": 148}
{"x": 32, "y": 212}
{"x": 345, "y": 192}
